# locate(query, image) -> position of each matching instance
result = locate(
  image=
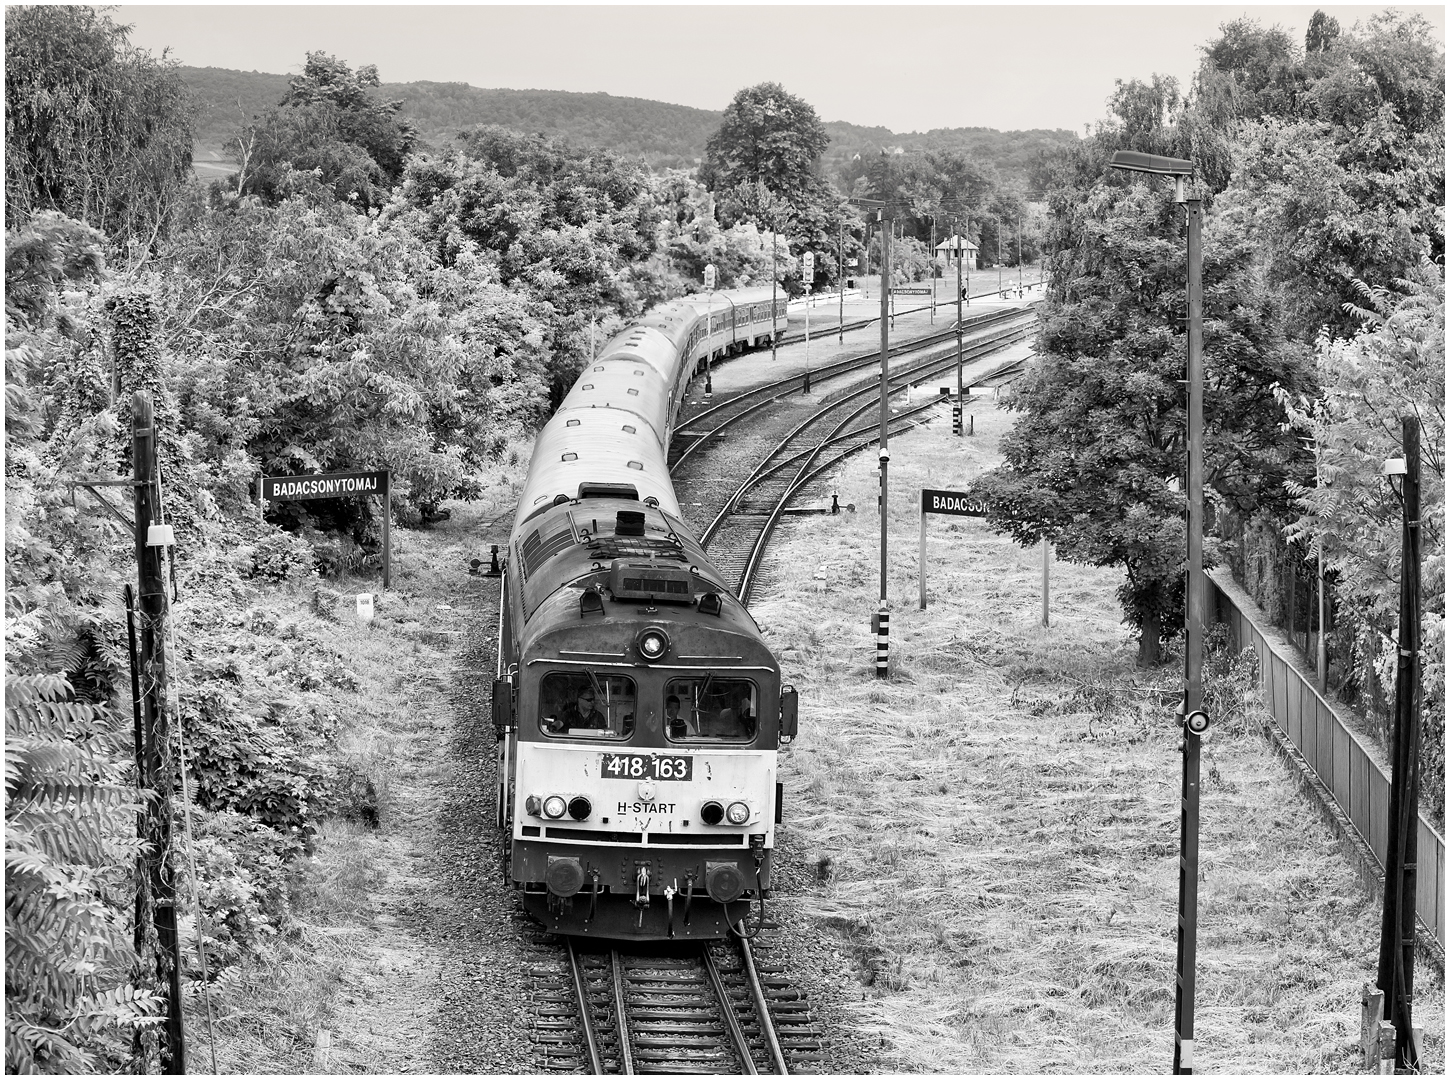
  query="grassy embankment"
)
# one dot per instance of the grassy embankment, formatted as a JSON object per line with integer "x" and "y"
{"x": 995, "y": 829}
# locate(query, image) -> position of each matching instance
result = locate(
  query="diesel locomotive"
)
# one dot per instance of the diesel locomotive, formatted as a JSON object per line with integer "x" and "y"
{"x": 638, "y": 710}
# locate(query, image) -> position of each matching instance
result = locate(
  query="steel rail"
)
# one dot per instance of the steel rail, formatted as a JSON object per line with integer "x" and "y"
{"x": 789, "y": 383}
{"x": 863, "y": 321}
{"x": 586, "y": 1012}
{"x": 896, "y": 381}
{"x": 763, "y": 1008}
{"x": 727, "y": 1011}
{"x": 757, "y": 548}
{"x": 626, "y": 1052}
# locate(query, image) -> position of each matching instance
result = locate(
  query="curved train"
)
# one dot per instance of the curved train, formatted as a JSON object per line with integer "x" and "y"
{"x": 638, "y": 709}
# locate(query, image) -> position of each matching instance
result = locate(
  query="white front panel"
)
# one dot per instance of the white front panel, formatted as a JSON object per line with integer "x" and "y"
{"x": 644, "y": 804}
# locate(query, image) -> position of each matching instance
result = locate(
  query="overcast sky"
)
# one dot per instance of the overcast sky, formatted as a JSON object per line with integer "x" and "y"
{"x": 906, "y": 68}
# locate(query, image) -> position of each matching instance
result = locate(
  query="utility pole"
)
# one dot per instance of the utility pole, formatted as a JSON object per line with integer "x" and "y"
{"x": 931, "y": 267}
{"x": 774, "y": 281}
{"x": 808, "y": 276}
{"x": 157, "y": 772}
{"x": 999, "y": 256}
{"x": 1019, "y": 257}
{"x": 841, "y": 284}
{"x": 1396, "y": 977}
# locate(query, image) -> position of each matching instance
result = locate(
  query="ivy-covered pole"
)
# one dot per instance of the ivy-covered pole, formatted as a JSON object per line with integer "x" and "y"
{"x": 1396, "y": 976}
{"x": 157, "y": 772}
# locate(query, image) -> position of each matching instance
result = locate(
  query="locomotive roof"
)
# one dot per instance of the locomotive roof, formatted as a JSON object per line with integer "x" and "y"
{"x": 575, "y": 543}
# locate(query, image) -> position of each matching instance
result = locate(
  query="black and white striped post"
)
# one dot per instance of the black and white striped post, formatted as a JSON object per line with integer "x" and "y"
{"x": 883, "y": 622}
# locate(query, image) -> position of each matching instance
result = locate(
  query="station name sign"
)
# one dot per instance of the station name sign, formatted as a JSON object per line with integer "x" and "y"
{"x": 951, "y": 502}
{"x": 323, "y": 486}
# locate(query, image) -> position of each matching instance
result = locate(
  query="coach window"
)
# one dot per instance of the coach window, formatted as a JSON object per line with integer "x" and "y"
{"x": 587, "y": 705}
{"x": 710, "y": 709}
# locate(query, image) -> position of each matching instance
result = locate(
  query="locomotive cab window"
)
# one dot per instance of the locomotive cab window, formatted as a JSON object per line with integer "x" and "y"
{"x": 710, "y": 709}
{"x": 587, "y": 705}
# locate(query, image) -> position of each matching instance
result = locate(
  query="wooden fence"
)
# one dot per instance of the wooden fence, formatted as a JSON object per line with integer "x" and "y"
{"x": 1336, "y": 754}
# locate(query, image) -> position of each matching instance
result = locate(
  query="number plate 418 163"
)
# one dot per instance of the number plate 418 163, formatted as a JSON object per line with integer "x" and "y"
{"x": 644, "y": 767}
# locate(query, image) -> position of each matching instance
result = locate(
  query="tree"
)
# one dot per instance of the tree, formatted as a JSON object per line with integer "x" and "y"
{"x": 767, "y": 137}
{"x": 1322, "y": 33}
{"x": 1096, "y": 453}
{"x": 568, "y": 231}
{"x": 327, "y": 123}
{"x": 69, "y": 812}
{"x": 1337, "y": 155}
{"x": 94, "y": 128}
{"x": 310, "y": 337}
{"x": 1393, "y": 367}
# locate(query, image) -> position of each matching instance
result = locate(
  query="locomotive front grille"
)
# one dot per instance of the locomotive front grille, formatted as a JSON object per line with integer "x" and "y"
{"x": 605, "y": 836}
{"x": 598, "y": 837}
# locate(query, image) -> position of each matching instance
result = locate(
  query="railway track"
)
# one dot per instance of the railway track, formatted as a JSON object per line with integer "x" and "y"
{"x": 945, "y": 305}
{"x": 711, "y": 421}
{"x": 782, "y": 457}
{"x": 721, "y": 1008}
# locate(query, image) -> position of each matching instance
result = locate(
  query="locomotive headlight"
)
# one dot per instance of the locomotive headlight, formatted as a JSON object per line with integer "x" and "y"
{"x": 711, "y": 813}
{"x": 580, "y": 807}
{"x": 737, "y": 813}
{"x": 652, "y": 643}
{"x": 533, "y": 806}
{"x": 554, "y": 806}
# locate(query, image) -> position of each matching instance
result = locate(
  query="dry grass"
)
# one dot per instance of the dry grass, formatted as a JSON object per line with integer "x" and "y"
{"x": 995, "y": 828}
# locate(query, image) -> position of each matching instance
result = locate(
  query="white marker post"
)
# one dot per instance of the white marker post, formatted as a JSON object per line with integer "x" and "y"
{"x": 365, "y": 607}
{"x": 1046, "y": 562}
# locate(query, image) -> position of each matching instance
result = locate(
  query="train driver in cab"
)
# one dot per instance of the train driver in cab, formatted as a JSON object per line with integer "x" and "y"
{"x": 735, "y": 720}
{"x": 675, "y": 725}
{"x": 582, "y": 712}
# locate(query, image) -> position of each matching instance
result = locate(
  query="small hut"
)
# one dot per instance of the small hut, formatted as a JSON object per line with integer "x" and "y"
{"x": 955, "y": 245}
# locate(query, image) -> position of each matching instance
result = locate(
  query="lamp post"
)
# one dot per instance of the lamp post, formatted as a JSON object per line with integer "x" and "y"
{"x": 841, "y": 284}
{"x": 1195, "y": 720}
{"x": 774, "y": 279}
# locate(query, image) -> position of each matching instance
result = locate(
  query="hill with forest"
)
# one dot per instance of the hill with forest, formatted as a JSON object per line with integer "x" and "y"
{"x": 664, "y": 135}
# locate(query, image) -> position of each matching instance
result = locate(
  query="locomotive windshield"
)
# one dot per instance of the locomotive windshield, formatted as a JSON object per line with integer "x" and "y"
{"x": 710, "y": 708}
{"x": 587, "y": 705}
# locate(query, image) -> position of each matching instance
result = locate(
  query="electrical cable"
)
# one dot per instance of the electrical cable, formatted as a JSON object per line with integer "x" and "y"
{"x": 174, "y": 703}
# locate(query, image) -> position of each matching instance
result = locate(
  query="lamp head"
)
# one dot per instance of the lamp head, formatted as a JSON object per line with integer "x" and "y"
{"x": 1180, "y": 169}
{"x": 1158, "y": 165}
